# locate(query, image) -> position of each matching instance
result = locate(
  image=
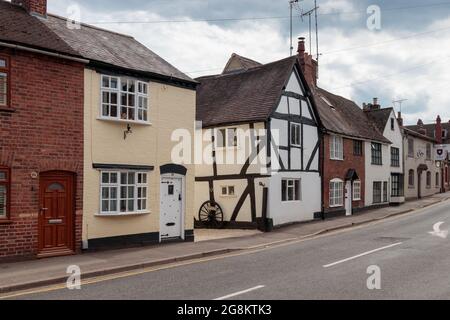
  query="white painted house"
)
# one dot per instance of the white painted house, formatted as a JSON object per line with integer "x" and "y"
{"x": 384, "y": 165}
{"x": 264, "y": 116}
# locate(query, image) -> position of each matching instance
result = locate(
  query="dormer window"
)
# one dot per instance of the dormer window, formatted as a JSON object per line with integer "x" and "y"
{"x": 124, "y": 99}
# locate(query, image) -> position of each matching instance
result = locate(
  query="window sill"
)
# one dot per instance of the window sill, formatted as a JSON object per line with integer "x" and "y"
{"x": 337, "y": 206}
{"x": 5, "y": 221}
{"x": 140, "y": 123}
{"x": 7, "y": 110}
{"x": 109, "y": 215}
{"x": 376, "y": 164}
{"x": 336, "y": 159}
{"x": 291, "y": 201}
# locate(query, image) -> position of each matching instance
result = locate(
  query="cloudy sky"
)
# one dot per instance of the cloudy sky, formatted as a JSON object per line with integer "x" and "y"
{"x": 407, "y": 58}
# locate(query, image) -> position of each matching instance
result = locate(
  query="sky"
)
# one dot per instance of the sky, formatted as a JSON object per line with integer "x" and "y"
{"x": 407, "y": 57}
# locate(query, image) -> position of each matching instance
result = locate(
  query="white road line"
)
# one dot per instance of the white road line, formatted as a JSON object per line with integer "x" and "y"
{"x": 239, "y": 293}
{"x": 361, "y": 255}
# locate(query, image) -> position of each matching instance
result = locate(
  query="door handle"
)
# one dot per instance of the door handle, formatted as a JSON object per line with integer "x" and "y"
{"x": 41, "y": 210}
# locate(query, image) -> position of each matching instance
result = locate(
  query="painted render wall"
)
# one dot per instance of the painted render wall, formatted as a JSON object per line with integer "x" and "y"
{"x": 383, "y": 173}
{"x": 147, "y": 145}
{"x": 205, "y": 169}
{"x": 412, "y": 163}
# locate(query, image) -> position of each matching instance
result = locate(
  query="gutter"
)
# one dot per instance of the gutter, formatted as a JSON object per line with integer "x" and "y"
{"x": 47, "y": 53}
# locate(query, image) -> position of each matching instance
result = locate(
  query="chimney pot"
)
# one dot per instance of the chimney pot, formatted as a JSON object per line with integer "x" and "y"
{"x": 375, "y": 101}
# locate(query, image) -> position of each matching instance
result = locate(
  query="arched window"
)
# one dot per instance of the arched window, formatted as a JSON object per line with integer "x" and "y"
{"x": 4, "y": 192}
{"x": 428, "y": 179}
{"x": 336, "y": 193}
{"x": 411, "y": 178}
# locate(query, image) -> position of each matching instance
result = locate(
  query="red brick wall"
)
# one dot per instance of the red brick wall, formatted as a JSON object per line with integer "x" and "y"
{"x": 338, "y": 169}
{"x": 44, "y": 133}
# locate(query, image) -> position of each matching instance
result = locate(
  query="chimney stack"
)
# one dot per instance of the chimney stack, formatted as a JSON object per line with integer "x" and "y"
{"x": 400, "y": 119}
{"x": 438, "y": 129}
{"x": 308, "y": 64}
{"x": 34, "y": 7}
{"x": 371, "y": 106}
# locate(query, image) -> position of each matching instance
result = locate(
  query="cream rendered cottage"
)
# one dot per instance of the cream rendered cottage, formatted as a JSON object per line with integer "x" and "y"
{"x": 133, "y": 192}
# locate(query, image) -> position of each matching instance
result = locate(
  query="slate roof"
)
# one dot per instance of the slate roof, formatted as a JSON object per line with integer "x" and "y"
{"x": 418, "y": 135}
{"x": 430, "y": 128}
{"x": 240, "y": 97}
{"x": 18, "y": 27}
{"x": 379, "y": 117}
{"x": 343, "y": 116}
{"x": 89, "y": 42}
{"x": 245, "y": 63}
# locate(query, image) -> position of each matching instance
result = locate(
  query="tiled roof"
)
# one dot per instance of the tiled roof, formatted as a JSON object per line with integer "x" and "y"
{"x": 430, "y": 129}
{"x": 379, "y": 117}
{"x": 246, "y": 96}
{"x": 18, "y": 27}
{"x": 89, "y": 42}
{"x": 343, "y": 116}
{"x": 418, "y": 135}
{"x": 244, "y": 62}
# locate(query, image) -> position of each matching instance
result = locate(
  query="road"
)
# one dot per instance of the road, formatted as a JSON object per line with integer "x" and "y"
{"x": 414, "y": 265}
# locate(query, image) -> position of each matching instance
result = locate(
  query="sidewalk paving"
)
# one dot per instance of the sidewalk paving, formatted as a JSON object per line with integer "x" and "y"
{"x": 34, "y": 273}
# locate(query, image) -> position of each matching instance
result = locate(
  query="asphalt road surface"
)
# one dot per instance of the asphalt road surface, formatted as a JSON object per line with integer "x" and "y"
{"x": 413, "y": 264}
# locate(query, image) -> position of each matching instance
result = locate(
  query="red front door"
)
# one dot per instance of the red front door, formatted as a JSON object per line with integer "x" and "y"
{"x": 56, "y": 214}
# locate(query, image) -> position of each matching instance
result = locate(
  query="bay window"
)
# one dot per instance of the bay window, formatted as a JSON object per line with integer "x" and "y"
{"x": 123, "y": 192}
{"x": 124, "y": 99}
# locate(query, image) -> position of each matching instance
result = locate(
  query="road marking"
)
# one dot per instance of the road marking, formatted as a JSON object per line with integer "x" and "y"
{"x": 239, "y": 293}
{"x": 438, "y": 232}
{"x": 361, "y": 255}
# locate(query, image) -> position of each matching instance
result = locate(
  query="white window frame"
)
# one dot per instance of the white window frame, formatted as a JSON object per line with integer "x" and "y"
{"x": 297, "y": 128}
{"x": 227, "y": 190}
{"x": 336, "y": 148}
{"x": 336, "y": 195}
{"x": 291, "y": 184}
{"x": 141, "y": 99}
{"x": 227, "y": 138}
{"x": 117, "y": 185}
{"x": 356, "y": 190}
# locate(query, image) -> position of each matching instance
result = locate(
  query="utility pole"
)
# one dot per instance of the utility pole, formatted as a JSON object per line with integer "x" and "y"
{"x": 291, "y": 7}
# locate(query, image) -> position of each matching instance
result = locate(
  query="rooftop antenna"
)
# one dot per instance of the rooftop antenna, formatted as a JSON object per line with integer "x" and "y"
{"x": 399, "y": 102}
{"x": 291, "y": 7}
{"x": 309, "y": 13}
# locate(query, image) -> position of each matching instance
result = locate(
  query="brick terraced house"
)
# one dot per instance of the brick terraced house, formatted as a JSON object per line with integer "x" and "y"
{"x": 346, "y": 132}
{"x": 86, "y": 119}
{"x": 41, "y": 136}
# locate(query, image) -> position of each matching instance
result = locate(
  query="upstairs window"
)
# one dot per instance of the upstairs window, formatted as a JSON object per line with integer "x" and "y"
{"x": 4, "y": 192}
{"x": 428, "y": 151}
{"x": 357, "y": 148}
{"x": 395, "y": 157}
{"x": 411, "y": 148}
{"x": 124, "y": 99}
{"x": 336, "y": 148}
{"x": 226, "y": 138}
{"x": 4, "y": 82}
{"x": 392, "y": 124}
{"x": 377, "y": 156}
{"x": 296, "y": 134}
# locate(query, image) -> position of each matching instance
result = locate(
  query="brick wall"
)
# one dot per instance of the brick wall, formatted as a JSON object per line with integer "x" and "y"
{"x": 338, "y": 169}
{"x": 33, "y": 6}
{"x": 44, "y": 133}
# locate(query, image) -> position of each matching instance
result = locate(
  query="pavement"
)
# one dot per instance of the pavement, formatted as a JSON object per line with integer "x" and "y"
{"x": 30, "y": 274}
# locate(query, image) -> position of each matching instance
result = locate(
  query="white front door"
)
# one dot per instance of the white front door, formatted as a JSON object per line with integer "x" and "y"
{"x": 171, "y": 215}
{"x": 348, "y": 198}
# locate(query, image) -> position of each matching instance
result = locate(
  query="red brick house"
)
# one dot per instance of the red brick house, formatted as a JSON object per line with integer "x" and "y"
{"x": 345, "y": 130}
{"x": 41, "y": 136}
